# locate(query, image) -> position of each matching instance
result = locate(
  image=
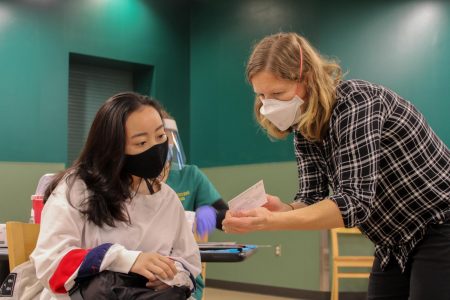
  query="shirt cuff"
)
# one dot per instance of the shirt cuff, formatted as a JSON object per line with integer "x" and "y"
{"x": 345, "y": 209}
{"x": 120, "y": 259}
{"x": 307, "y": 201}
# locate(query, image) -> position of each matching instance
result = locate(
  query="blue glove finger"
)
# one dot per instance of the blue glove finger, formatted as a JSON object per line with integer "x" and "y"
{"x": 205, "y": 217}
{"x": 206, "y": 220}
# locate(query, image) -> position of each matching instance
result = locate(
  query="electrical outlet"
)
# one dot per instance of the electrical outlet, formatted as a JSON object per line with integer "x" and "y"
{"x": 3, "y": 242}
{"x": 278, "y": 250}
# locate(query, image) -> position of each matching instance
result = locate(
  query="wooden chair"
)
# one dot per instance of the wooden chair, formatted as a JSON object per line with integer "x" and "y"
{"x": 22, "y": 238}
{"x": 346, "y": 261}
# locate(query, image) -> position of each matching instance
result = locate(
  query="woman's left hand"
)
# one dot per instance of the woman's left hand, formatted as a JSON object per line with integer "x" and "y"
{"x": 157, "y": 285}
{"x": 247, "y": 221}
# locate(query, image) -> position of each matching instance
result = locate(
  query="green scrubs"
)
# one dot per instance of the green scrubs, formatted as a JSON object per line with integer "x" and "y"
{"x": 194, "y": 190}
{"x": 192, "y": 187}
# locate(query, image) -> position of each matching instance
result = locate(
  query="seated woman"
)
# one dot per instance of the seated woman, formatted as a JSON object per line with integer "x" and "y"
{"x": 109, "y": 211}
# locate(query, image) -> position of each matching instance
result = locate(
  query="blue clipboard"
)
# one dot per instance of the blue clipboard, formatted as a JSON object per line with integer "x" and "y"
{"x": 227, "y": 254}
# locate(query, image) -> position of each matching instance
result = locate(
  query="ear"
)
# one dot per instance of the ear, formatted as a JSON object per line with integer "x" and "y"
{"x": 301, "y": 91}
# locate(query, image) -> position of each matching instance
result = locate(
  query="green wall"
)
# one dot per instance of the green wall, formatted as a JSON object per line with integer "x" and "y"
{"x": 404, "y": 45}
{"x": 35, "y": 42}
{"x": 18, "y": 181}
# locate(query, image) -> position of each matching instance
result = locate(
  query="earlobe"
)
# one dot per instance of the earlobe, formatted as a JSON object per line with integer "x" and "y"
{"x": 301, "y": 91}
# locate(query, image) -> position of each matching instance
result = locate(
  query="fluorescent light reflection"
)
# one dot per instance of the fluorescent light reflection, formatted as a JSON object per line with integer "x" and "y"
{"x": 5, "y": 18}
{"x": 421, "y": 24}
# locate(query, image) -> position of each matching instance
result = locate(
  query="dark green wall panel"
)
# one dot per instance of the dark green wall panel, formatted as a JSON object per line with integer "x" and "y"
{"x": 35, "y": 41}
{"x": 199, "y": 69}
{"x": 404, "y": 45}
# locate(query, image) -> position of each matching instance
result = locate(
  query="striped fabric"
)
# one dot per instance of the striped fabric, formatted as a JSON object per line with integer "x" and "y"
{"x": 66, "y": 268}
{"x": 78, "y": 263}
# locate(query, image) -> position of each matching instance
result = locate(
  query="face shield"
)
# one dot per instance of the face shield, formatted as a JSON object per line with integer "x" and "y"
{"x": 175, "y": 156}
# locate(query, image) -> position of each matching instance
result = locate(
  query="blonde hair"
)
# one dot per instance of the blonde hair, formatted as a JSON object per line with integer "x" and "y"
{"x": 280, "y": 55}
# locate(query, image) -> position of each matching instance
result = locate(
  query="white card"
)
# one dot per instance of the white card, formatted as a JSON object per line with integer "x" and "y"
{"x": 253, "y": 197}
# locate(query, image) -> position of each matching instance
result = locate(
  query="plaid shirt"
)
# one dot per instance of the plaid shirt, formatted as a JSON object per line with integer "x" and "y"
{"x": 388, "y": 170}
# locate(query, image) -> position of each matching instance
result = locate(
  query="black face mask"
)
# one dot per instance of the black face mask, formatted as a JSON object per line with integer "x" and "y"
{"x": 148, "y": 164}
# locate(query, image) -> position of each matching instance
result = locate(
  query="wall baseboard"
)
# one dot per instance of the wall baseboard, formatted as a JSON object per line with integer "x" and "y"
{"x": 280, "y": 291}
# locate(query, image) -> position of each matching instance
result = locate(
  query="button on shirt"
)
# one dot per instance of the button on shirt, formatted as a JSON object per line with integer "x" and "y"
{"x": 389, "y": 172}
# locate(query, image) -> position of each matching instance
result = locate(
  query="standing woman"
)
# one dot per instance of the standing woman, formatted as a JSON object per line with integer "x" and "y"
{"x": 109, "y": 212}
{"x": 389, "y": 172}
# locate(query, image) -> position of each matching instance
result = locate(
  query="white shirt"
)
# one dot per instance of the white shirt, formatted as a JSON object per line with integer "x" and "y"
{"x": 158, "y": 224}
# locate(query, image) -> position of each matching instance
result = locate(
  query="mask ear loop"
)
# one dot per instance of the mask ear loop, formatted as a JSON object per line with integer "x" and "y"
{"x": 149, "y": 186}
{"x": 137, "y": 190}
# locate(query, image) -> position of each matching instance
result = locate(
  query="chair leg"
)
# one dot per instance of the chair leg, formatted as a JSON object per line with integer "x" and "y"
{"x": 335, "y": 285}
{"x": 204, "y": 279}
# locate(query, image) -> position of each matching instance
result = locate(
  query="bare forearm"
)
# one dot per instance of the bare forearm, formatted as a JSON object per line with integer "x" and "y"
{"x": 292, "y": 206}
{"x": 322, "y": 215}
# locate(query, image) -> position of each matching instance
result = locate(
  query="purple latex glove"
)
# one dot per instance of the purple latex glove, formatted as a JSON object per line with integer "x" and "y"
{"x": 205, "y": 218}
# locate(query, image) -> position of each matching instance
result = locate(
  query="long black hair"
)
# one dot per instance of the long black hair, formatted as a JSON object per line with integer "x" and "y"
{"x": 100, "y": 164}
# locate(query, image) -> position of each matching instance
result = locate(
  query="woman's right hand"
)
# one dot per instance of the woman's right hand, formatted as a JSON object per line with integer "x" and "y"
{"x": 275, "y": 204}
{"x": 150, "y": 265}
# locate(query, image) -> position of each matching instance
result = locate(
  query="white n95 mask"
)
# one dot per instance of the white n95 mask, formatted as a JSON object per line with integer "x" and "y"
{"x": 282, "y": 114}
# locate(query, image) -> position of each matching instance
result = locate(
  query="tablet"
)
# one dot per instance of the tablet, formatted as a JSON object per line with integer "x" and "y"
{"x": 235, "y": 254}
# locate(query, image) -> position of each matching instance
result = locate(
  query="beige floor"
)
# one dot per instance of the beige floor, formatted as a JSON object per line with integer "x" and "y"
{"x": 218, "y": 294}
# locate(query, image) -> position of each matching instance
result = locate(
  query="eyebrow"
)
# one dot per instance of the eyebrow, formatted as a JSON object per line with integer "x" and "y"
{"x": 274, "y": 90}
{"x": 145, "y": 133}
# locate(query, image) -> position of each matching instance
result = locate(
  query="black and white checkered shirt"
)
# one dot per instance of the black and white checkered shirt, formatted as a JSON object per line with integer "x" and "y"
{"x": 389, "y": 172}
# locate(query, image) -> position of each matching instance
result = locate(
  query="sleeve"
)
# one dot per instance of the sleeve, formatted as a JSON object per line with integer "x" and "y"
{"x": 312, "y": 181}
{"x": 185, "y": 253}
{"x": 357, "y": 131}
{"x": 221, "y": 209}
{"x": 59, "y": 257}
{"x": 205, "y": 192}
